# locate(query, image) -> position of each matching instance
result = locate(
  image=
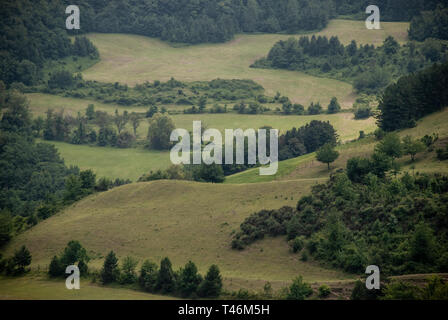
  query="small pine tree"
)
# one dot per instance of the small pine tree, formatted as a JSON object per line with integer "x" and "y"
{"x": 56, "y": 268}
{"x": 148, "y": 276}
{"x": 90, "y": 112}
{"x": 189, "y": 280}
{"x": 165, "y": 278}
{"x": 110, "y": 272}
{"x": 128, "y": 274}
{"x": 211, "y": 286}
{"x": 22, "y": 259}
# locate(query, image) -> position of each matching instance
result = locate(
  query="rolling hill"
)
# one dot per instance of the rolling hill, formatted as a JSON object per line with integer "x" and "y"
{"x": 181, "y": 220}
{"x": 187, "y": 220}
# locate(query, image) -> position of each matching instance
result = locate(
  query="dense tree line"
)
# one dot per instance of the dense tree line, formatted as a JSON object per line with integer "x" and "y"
{"x": 32, "y": 34}
{"x": 370, "y": 69}
{"x": 217, "y": 21}
{"x": 413, "y": 97}
{"x": 430, "y": 24}
{"x": 366, "y": 215}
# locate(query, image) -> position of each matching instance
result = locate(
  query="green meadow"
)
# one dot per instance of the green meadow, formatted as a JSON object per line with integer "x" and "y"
{"x": 113, "y": 162}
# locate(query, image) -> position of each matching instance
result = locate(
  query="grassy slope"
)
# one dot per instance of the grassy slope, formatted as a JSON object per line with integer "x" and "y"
{"x": 181, "y": 220}
{"x": 134, "y": 59}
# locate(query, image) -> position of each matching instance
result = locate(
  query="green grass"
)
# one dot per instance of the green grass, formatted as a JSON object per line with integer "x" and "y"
{"x": 39, "y": 287}
{"x": 134, "y": 59}
{"x": 113, "y": 162}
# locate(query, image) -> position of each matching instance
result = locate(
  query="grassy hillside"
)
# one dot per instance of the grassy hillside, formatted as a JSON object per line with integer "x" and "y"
{"x": 181, "y": 220}
{"x": 134, "y": 59}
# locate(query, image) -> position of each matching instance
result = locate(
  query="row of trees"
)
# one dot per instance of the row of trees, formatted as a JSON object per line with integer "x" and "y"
{"x": 199, "y": 93}
{"x": 81, "y": 130}
{"x": 313, "y": 109}
{"x": 186, "y": 282}
{"x": 293, "y": 143}
{"x": 203, "y": 21}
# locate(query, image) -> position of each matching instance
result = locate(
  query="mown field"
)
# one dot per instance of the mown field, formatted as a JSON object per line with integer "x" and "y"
{"x": 134, "y": 59}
